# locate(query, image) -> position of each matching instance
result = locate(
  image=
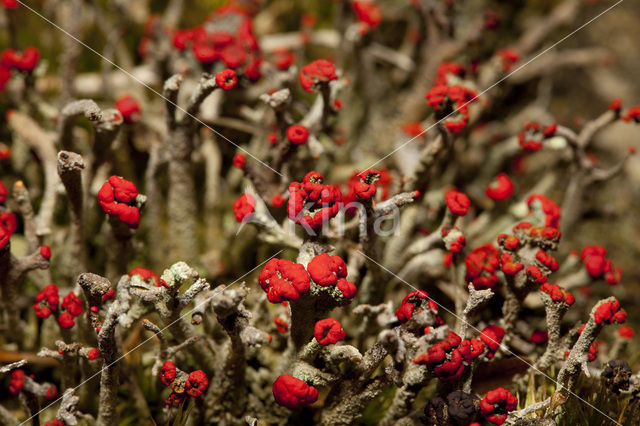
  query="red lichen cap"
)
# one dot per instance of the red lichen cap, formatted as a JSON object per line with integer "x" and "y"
{"x": 508, "y": 265}
{"x": 557, "y": 293}
{"x": 244, "y": 207}
{"x": 281, "y": 324}
{"x": 549, "y": 208}
{"x": 72, "y": 304}
{"x": 297, "y": 134}
{"x": 626, "y": 332}
{"x": 168, "y": 374}
{"x": 457, "y": 202}
{"x": 325, "y": 270}
{"x": 45, "y": 251}
{"x": 145, "y": 274}
{"x": 610, "y": 312}
{"x": 291, "y": 392}
{"x": 17, "y": 381}
{"x": 317, "y": 72}
{"x": 508, "y": 57}
{"x": 94, "y": 353}
{"x": 284, "y": 280}
{"x": 547, "y": 260}
{"x": 117, "y": 198}
{"x": 496, "y": 404}
{"x": 412, "y": 301}
{"x": 47, "y": 300}
{"x": 347, "y": 288}
{"x": 325, "y": 201}
{"x": 226, "y": 79}
{"x": 500, "y": 188}
{"x": 492, "y": 335}
{"x": 129, "y": 108}
{"x": 9, "y": 222}
{"x": 535, "y": 274}
{"x": 239, "y": 160}
{"x": 539, "y": 337}
{"x": 65, "y": 320}
{"x": 3, "y": 193}
{"x": 328, "y": 331}
{"x": 454, "y": 239}
{"x": 368, "y": 13}
{"x": 446, "y": 357}
{"x": 481, "y": 264}
{"x": 196, "y": 383}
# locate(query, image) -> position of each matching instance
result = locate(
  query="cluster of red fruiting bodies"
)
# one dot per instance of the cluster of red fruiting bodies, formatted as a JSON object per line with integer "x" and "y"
{"x": 24, "y": 61}
{"x": 48, "y": 302}
{"x": 182, "y": 384}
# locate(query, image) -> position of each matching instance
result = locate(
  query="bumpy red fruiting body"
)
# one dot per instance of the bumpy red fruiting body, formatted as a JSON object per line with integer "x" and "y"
{"x": 347, "y": 288}
{"x": 45, "y": 251}
{"x": 277, "y": 200}
{"x": 557, "y": 293}
{"x": 482, "y": 263}
{"x": 283, "y": 58}
{"x": 52, "y": 393}
{"x": 454, "y": 239}
{"x": 9, "y": 222}
{"x": 547, "y": 260}
{"x": 496, "y": 404}
{"x": 633, "y": 113}
{"x": 54, "y": 422}
{"x": 448, "y": 358}
{"x": 72, "y": 304}
{"x": 610, "y": 312}
{"x": 25, "y": 61}
{"x": 317, "y": 72}
{"x": 324, "y": 198}
{"x": 47, "y": 300}
{"x": 239, "y": 160}
{"x": 365, "y": 187}
{"x": 117, "y": 198}
{"x": 272, "y": 138}
{"x": 291, "y": 392}
{"x": 508, "y": 57}
{"x": 281, "y": 324}
{"x": 226, "y": 79}
{"x": 196, "y": 383}
{"x": 539, "y": 337}
{"x": 244, "y": 207}
{"x": 3, "y": 193}
{"x": 368, "y": 13}
{"x": 509, "y": 242}
{"x": 129, "y": 108}
{"x": 413, "y": 128}
{"x": 500, "y": 188}
{"x": 457, "y": 202}
{"x": 325, "y": 270}
{"x": 593, "y": 352}
{"x": 530, "y": 138}
{"x": 17, "y": 381}
{"x": 550, "y": 209}
{"x": 94, "y": 353}
{"x": 626, "y": 332}
{"x": 615, "y": 105}
{"x": 535, "y": 275}
{"x": 414, "y": 301}
{"x": 593, "y": 258}
{"x": 297, "y": 134}
{"x": 328, "y": 331}
{"x": 10, "y": 4}
{"x": 65, "y": 320}
{"x": 110, "y": 294}
{"x": 284, "y": 280}
{"x": 168, "y": 374}
{"x": 492, "y": 335}
{"x": 145, "y": 274}
{"x": 508, "y": 265}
